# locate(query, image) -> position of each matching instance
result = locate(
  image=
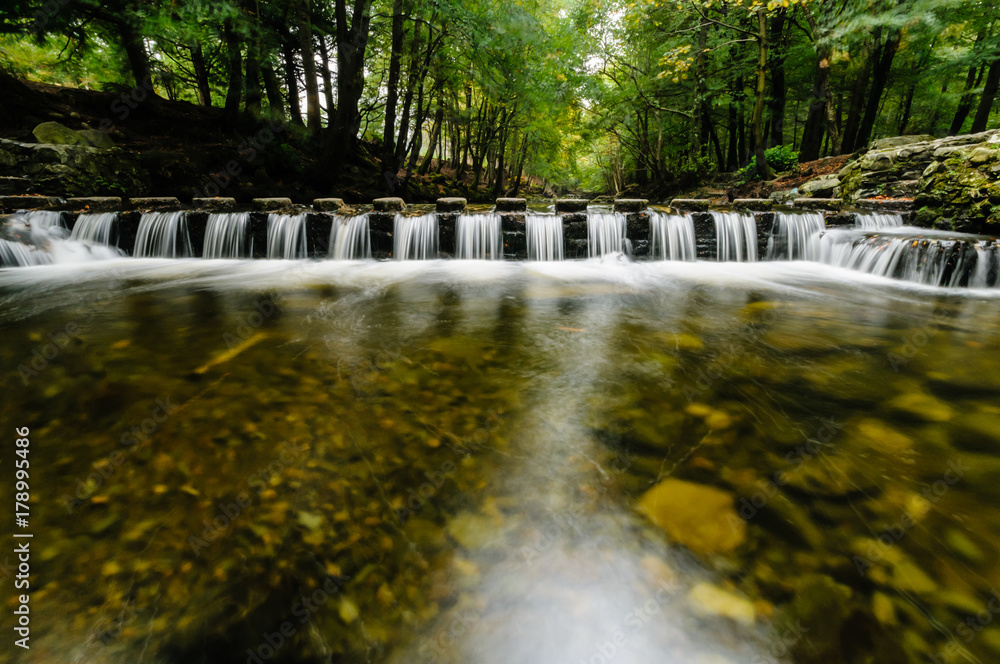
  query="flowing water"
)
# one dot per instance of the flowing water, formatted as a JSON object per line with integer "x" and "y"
{"x": 443, "y": 461}
{"x": 672, "y": 236}
{"x": 478, "y": 237}
{"x": 736, "y": 233}
{"x": 544, "y": 235}
{"x": 163, "y": 235}
{"x": 350, "y": 239}
{"x": 415, "y": 238}
{"x": 605, "y": 233}
{"x": 96, "y": 228}
{"x": 286, "y": 236}
{"x": 875, "y": 220}
{"x": 795, "y": 236}
{"x": 227, "y": 235}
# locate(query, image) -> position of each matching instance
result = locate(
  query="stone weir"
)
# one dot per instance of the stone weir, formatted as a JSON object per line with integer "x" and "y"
{"x": 278, "y": 228}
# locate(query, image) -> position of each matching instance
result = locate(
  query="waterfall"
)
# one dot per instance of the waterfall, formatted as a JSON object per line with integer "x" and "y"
{"x": 98, "y": 228}
{"x": 163, "y": 235}
{"x": 795, "y": 236}
{"x": 477, "y": 236}
{"x": 286, "y": 236}
{"x": 605, "y": 233}
{"x": 227, "y": 235}
{"x": 930, "y": 259}
{"x": 415, "y": 238}
{"x": 986, "y": 272}
{"x": 873, "y": 220}
{"x": 15, "y": 254}
{"x": 672, "y": 236}
{"x": 350, "y": 239}
{"x": 46, "y": 225}
{"x": 736, "y": 234}
{"x": 544, "y": 233}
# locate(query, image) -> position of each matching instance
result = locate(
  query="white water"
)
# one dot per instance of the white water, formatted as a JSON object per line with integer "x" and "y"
{"x": 544, "y": 234}
{"x": 794, "y": 236}
{"x": 605, "y": 233}
{"x": 672, "y": 237}
{"x": 15, "y": 254}
{"x": 478, "y": 237}
{"x": 96, "y": 228}
{"x": 163, "y": 235}
{"x": 227, "y": 235}
{"x": 286, "y": 236}
{"x": 737, "y": 236}
{"x": 873, "y": 220}
{"x": 930, "y": 258}
{"x": 350, "y": 238}
{"x": 415, "y": 238}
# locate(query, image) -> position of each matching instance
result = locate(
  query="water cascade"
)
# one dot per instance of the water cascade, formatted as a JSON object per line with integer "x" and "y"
{"x": 795, "y": 236}
{"x": 15, "y": 254}
{"x": 415, "y": 238}
{"x": 672, "y": 236}
{"x": 478, "y": 237}
{"x": 227, "y": 235}
{"x": 737, "y": 236}
{"x": 605, "y": 233}
{"x": 933, "y": 259}
{"x": 97, "y": 228}
{"x": 873, "y": 220}
{"x": 286, "y": 236}
{"x": 544, "y": 233}
{"x": 350, "y": 239}
{"x": 163, "y": 235}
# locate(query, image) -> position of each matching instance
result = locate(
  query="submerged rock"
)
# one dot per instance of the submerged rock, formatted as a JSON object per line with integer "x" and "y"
{"x": 707, "y": 600}
{"x": 919, "y": 407}
{"x": 702, "y": 518}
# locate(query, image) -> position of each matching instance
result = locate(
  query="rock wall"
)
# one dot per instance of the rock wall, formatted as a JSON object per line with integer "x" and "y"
{"x": 953, "y": 181}
{"x": 74, "y": 170}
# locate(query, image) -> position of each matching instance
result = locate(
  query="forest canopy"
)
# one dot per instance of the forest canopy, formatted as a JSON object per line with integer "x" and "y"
{"x": 605, "y": 95}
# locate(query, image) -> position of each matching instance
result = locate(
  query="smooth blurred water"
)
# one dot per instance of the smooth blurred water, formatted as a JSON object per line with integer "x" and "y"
{"x": 454, "y": 461}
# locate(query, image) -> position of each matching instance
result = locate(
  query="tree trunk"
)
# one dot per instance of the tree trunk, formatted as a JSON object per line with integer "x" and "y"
{"x": 732, "y": 154}
{"x": 821, "y": 106}
{"x": 352, "y": 40}
{"x": 971, "y": 83}
{"x": 201, "y": 74}
{"x": 776, "y": 132}
{"x": 763, "y": 169}
{"x": 324, "y": 55}
{"x": 235, "y": 90}
{"x": 698, "y": 123}
{"x": 413, "y": 77}
{"x": 253, "y": 92}
{"x": 292, "y": 83}
{"x": 390, "y": 165}
{"x": 274, "y": 100}
{"x": 989, "y": 96}
{"x": 880, "y": 77}
{"x": 435, "y": 135}
{"x": 856, "y": 107}
{"x": 303, "y": 22}
{"x": 135, "y": 50}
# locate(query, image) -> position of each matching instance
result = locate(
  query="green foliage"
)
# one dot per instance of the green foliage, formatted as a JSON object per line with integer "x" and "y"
{"x": 782, "y": 158}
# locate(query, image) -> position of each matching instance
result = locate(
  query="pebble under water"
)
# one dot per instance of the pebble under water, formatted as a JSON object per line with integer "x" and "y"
{"x": 479, "y": 461}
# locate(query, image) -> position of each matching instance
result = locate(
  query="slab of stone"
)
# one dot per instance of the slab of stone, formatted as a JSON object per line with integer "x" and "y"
{"x": 271, "y": 204}
{"x": 328, "y": 204}
{"x": 754, "y": 204}
{"x": 885, "y": 205}
{"x": 819, "y": 203}
{"x": 628, "y": 205}
{"x": 392, "y": 204}
{"x": 898, "y": 141}
{"x": 511, "y": 205}
{"x": 690, "y": 204}
{"x": 95, "y": 203}
{"x": 24, "y": 202}
{"x": 702, "y": 518}
{"x": 451, "y": 205}
{"x": 213, "y": 204}
{"x": 571, "y": 205}
{"x": 148, "y": 202}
